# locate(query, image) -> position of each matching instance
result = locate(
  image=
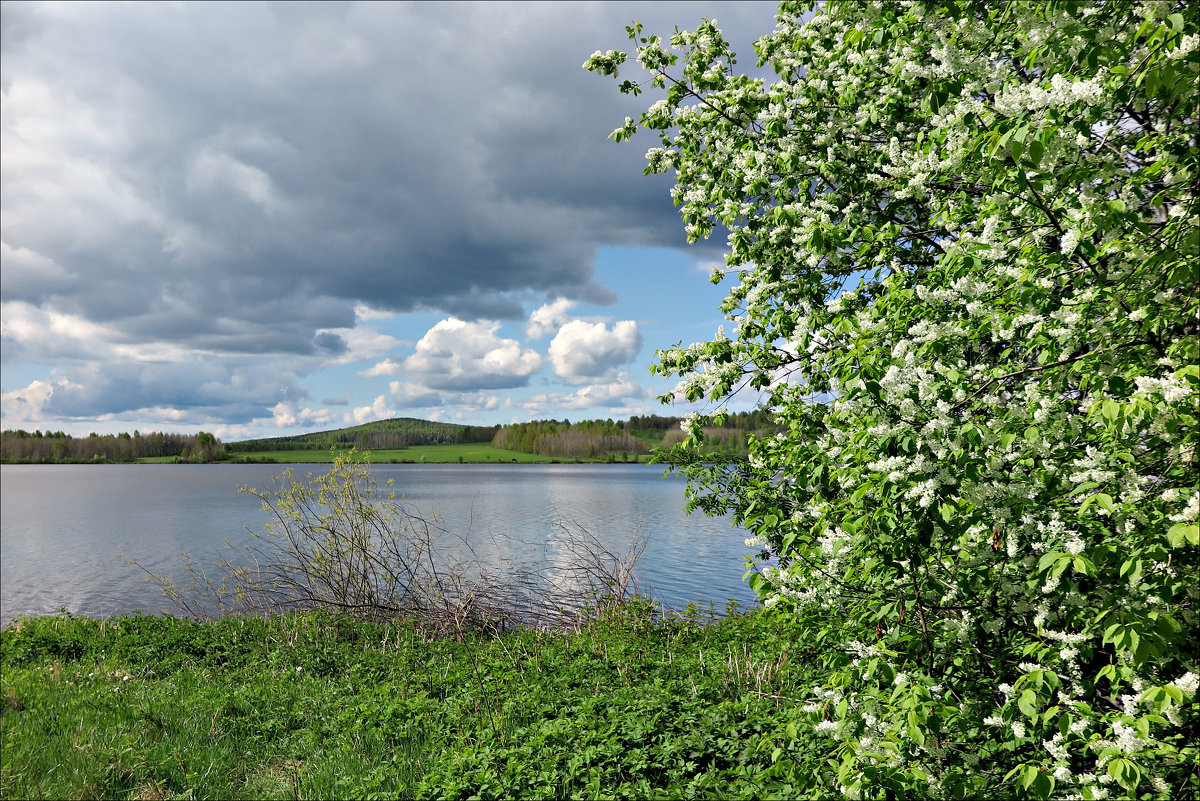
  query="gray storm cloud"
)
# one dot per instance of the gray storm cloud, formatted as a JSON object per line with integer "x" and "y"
{"x": 238, "y": 177}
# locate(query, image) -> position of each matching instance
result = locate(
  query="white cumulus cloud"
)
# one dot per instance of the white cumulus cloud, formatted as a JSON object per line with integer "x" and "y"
{"x": 26, "y": 404}
{"x": 610, "y": 395}
{"x": 581, "y": 350}
{"x": 378, "y": 410}
{"x": 288, "y": 415}
{"x": 458, "y": 355}
{"x": 389, "y": 366}
{"x": 410, "y": 396}
{"x": 547, "y": 319}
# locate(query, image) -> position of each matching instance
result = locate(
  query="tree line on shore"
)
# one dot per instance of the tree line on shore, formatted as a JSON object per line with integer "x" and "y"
{"x": 591, "y": 439}
{"x": 37, "y": 447}
{"x": 587, "y": 439}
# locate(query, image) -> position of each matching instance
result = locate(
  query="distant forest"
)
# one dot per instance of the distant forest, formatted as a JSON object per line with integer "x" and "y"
{"x": 55, "y": 447}
{"x": 605, "y": 439}
{"x": 588, "y": 439}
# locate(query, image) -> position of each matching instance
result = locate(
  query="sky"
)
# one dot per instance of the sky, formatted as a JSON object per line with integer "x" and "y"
{"x": 264, "y": 219}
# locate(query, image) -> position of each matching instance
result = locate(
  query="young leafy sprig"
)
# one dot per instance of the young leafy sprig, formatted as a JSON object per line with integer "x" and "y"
{"x": 965, "y": 238}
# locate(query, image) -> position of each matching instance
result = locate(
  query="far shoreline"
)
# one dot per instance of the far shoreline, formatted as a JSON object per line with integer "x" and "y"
{"x": 416, "y": 455}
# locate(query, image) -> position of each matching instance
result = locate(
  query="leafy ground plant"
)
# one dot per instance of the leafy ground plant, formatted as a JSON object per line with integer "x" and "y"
{"x": 325, "y": 706}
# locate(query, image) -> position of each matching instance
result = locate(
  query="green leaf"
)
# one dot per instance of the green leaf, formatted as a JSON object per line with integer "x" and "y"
{"x": 1083, "y": 565}
{"x": 1125, "y": 772}
{"x": 915, "y": 730}
{"x": 1181, "y": 533}
{"x": 1027, "y": 703}
{"x": 1049, "y": 559}
{"x": 1017, "y": 148}
{"x": 1001, "y": 146}
{"x": 1036, "y": 151}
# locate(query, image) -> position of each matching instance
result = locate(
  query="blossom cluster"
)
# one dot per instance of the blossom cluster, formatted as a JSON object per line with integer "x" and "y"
{"x": 964, "y": 239}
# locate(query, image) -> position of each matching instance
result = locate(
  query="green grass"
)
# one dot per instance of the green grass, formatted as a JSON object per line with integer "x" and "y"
{"x": 320, "y": 707}
{"x": 477, "y": 453}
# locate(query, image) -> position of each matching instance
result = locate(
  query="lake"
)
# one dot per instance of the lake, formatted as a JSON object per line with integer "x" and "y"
{"x": 67, "y": 531}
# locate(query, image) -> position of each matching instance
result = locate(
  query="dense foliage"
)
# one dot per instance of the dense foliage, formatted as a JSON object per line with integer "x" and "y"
{"x": 590, "y": 439}
{"x": 965, "y": 243}
{"x": 584, "y": 440}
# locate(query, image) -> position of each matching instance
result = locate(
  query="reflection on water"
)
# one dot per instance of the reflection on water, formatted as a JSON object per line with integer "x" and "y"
{"x": 63, "y": 528}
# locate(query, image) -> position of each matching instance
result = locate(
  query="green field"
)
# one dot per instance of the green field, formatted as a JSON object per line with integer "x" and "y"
{"x": 470, "y": 453}
{"x": 438, "y": 454}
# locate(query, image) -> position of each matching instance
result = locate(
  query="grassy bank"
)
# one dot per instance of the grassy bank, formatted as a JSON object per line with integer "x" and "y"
{"x": 631, "y": 705}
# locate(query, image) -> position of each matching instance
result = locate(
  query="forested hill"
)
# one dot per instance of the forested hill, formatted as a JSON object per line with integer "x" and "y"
{"x": 396, "y": 433}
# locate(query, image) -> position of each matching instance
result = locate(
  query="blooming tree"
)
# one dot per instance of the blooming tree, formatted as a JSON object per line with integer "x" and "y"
{"x": 964, "y": 237}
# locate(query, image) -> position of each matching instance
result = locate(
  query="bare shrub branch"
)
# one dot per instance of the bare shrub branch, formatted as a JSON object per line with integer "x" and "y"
{"x": 337, "y": 542}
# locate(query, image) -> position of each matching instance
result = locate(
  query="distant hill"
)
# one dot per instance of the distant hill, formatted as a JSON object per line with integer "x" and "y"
{"x": 588, "y": 439}
{"x": 399, "y": 432}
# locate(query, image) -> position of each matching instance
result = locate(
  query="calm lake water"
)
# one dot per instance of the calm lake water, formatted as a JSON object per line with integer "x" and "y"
{"x": 67, "y": 531}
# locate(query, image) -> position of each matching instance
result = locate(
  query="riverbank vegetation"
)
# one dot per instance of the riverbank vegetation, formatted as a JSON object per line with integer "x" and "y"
{"x": 340, "y": 542}
{"x": 632, "y": 704}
